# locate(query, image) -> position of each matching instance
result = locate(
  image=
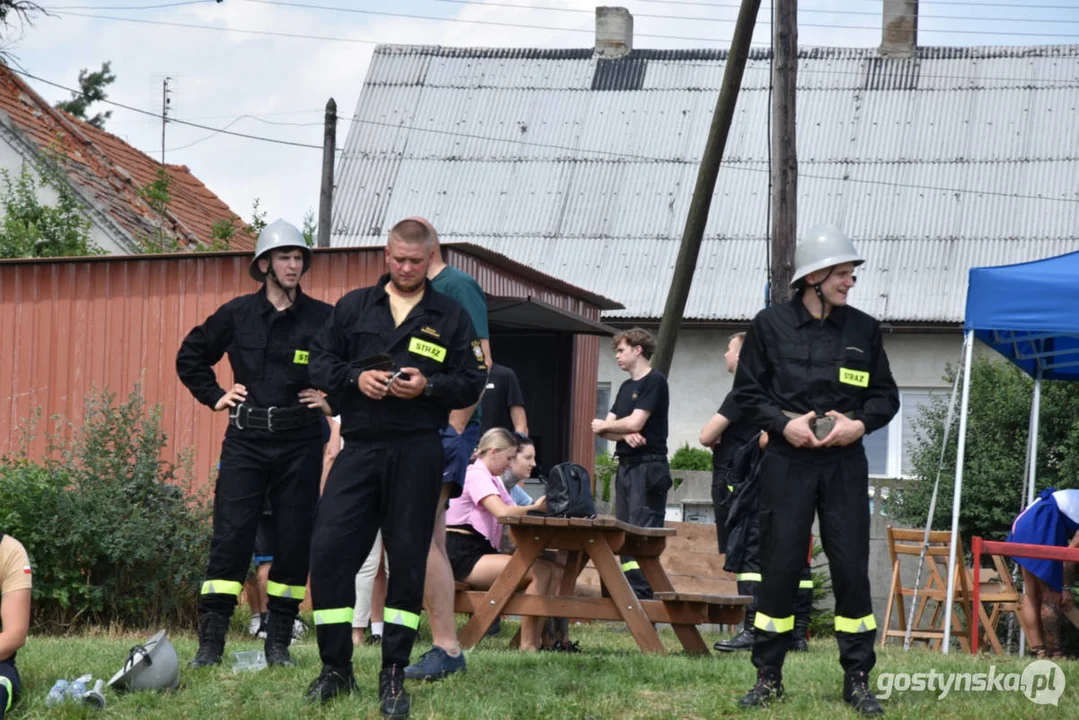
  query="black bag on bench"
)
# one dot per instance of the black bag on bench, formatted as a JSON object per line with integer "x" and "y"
{"x": 569, "y": 492}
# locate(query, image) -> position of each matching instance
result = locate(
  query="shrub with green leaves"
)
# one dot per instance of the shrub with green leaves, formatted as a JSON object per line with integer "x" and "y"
{"x": 997, "y": 432}
{"x": 606, "y": 467}
{"x": 691, "y": 458}
{"x": 112, "y": 531}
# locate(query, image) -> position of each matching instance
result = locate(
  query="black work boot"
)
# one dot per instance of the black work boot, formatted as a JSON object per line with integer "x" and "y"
{"x": 742, "y": 641}
{"x": 278, "y": 637}
{"x": 393, "y": 700}
{"x": 330, "y": 683}
{"x": 212, "y": 630}
{"x": 769, "y": 687}
{"x": 801, "y": 631}
{"x": 857, "y": 694}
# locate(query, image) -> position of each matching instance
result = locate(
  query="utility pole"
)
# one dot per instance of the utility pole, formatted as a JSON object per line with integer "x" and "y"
{"x": 784, "y": 152}
{"x": 325, "y": 198}
{"x": 165, "y": 102}
{"x": 722, "y": 117}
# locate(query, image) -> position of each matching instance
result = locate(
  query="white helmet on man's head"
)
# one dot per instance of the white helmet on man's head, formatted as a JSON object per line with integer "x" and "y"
{"x": 822, "y": 247}
{"x": 278, "y": 235}
{"x": 150, "y": 666}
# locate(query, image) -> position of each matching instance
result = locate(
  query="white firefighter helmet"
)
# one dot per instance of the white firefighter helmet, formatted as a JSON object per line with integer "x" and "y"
{"x": 822, "y": 247}
{"x": 150, "y": 666}
{"x": 278, "y": 235}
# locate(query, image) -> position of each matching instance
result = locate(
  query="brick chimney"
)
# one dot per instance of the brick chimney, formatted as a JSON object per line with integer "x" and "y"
{"x": 899, "y": 29}
{"x": 614, "y": 32}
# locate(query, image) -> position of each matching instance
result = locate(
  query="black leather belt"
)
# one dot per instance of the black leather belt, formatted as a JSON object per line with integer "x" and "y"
{"x": 273, "y": 419}
{"x": 638, "y": 459}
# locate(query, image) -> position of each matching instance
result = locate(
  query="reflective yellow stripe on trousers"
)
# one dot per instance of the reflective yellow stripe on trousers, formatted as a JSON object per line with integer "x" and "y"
{"x": 221, "y": 587}
{"x": 855, "y": 625}
{"x": 333, "y": 616}
{"x": 401, "y": 617}
{"x": 4, "y": 682}
{"x": 631, "y": 565}
{"x": 805, "y": 584}
{"x": 771, "y": 624}
{"x": 749, "y": 577}
{"x": 291, "y": 592}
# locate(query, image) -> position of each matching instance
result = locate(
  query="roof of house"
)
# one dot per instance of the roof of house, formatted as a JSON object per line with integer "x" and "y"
{"x": 110, "y": 172}
{"x": 584, "y": 168}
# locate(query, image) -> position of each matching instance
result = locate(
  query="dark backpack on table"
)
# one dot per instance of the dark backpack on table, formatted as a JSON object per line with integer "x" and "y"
{"x": 569, "y": 492}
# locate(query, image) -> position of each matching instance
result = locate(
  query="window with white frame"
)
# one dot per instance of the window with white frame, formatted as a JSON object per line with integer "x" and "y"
{"x": 889, "y": 449}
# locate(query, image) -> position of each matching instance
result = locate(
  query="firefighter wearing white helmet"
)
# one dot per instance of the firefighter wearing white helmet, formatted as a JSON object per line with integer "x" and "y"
{"x": 813, "y": 374}
{"x": 274, "y": 443}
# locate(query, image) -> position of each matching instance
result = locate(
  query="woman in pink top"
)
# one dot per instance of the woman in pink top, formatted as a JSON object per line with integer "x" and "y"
{"x": 473, "y": 533}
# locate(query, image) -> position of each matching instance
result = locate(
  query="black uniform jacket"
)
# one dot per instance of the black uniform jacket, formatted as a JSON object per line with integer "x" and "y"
{"x": 793, "y": 361}
{"x": 437, "y": 337}
{"x": 268, "y": 350}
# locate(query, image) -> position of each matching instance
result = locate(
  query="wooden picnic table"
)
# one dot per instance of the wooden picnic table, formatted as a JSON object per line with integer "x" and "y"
{"x": 599, "y": 540}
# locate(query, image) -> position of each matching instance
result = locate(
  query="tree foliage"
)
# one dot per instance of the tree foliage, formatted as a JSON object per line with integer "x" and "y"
{"x": 33, "y": 228}
{"x": 997, "y": 431}
{"x": 92, "y": 89}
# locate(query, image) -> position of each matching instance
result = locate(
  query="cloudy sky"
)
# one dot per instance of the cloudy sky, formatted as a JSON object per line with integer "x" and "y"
{"x": 267, "y": 68}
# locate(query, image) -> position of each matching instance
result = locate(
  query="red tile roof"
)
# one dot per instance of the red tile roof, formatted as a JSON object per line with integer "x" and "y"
{"x": 112, "y": 172}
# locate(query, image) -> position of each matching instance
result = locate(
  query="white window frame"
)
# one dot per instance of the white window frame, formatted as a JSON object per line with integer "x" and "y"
{"x": 894, "y": 463}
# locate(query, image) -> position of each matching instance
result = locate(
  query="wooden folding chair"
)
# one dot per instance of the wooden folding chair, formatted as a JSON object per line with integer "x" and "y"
{"x": 1000, "y": 595}
{"x": 933, "y": 588}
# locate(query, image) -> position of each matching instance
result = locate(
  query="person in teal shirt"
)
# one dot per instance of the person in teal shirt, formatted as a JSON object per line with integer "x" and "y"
{"x": 459, "y": 439}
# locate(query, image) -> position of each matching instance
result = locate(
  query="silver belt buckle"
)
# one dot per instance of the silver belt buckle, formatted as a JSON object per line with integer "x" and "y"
{"x": 269, "y": 418}
{"x": 234, "y": 416}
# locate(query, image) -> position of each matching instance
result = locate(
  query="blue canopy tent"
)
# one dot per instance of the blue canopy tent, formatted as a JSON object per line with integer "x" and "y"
{"x": 1029, "y": 313}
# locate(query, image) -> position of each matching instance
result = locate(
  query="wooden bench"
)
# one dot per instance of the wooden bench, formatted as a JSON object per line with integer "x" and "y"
{"x": 597, "y": 540}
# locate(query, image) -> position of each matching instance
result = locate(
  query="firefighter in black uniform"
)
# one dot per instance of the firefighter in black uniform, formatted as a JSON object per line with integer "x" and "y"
{"x": 273, "y": 445}
{"x": 395, "y": 358}
{"x": 813, "y": 374}
{"x": 733, "y": 465}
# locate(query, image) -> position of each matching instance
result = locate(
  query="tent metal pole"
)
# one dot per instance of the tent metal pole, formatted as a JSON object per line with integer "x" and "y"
{"x": 1032, "y": 461}
{"x": 949, "y": 419}
{"x": 1035, "y": 422}
{"x": 968, "y": 352}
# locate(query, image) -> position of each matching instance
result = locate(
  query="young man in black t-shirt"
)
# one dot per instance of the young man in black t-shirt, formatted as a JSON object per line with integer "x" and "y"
{"x": 638, "y": 424}
{"x": 503, "y": 404}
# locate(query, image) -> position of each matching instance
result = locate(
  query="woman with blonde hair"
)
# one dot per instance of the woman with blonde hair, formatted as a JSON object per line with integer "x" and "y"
{"x": 473, "y": 533}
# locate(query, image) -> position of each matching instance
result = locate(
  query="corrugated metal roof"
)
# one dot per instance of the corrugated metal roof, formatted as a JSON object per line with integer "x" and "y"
{"x": 956, "y": 158}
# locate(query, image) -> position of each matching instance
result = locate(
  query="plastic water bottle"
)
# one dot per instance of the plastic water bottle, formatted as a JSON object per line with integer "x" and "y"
{"x": 56, "y": 695}
{"x": 77, "y": 689}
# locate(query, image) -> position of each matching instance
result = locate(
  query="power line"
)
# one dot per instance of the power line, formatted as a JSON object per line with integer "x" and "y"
{"x": 570, "y": 149}
{"x": 149, "y": 113}
{"x": 132, "y": 7}
{"x": 743, "y": 168}
{"x": 328, "y": 8}
{"x": 920, "y": 16}
{"x": 589, "y": 31}
{"x": 432, "y": 18}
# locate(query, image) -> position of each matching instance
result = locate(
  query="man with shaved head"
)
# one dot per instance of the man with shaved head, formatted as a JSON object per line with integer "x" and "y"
{"x": 396, "y": 358}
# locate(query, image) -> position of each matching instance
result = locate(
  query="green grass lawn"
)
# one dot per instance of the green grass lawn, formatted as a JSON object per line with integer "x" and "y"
{"x": 610, "y": 679}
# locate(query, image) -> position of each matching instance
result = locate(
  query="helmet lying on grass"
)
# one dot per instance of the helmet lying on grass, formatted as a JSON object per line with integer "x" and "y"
{"x": 150, "y": 666}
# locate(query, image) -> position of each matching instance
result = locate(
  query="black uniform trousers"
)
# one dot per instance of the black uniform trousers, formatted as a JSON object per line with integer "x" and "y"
{"x": 9, "y": 686}
{"x": 387, "y": 484}
{"x": 794, "y": 483}
{"x": 641, "y": 487}
{"x": 288, "y": 471}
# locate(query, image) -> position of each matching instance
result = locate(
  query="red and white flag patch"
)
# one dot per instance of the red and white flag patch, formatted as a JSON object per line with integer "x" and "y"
{"x": 26, "y": 570}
